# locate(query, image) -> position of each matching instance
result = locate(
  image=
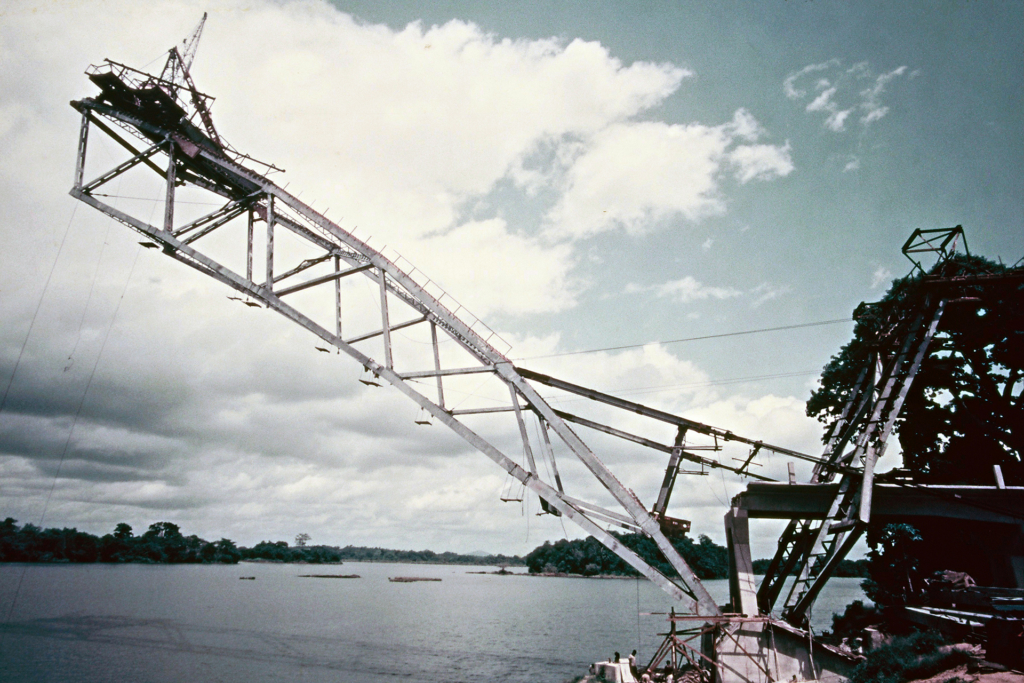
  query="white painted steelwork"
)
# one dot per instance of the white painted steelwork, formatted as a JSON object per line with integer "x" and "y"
{"x": 149, "y": 110}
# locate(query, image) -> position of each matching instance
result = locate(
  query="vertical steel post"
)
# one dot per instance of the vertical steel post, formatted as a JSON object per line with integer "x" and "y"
{"x": 270, "y": 241}
{"x": 522, "y": 430}
{"x": 670, "y": 473}
{"x": 248, "y": 253}
{"x": 169, "y": 200}
{"x": 385, "y": 319}
{"x": 83, "y": 137}
{"x": 337, "y": 297}
{"x": 550, "y": 453}
{"x": 437, "y": 364}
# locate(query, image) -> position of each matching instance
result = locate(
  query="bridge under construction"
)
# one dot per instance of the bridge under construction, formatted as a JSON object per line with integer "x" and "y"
{"x": 276, "y": 252}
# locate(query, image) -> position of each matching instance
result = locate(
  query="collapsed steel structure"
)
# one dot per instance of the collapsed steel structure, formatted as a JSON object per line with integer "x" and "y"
{"x": 165, "y": 124}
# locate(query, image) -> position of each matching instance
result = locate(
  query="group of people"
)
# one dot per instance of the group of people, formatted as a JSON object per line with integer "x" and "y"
{"x": 665, "y": 675}
{"x": 632, "y": 663}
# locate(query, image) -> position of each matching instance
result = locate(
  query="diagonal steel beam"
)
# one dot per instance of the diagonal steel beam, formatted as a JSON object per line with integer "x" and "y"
{"x": 123, "y": 167}
{"x": 446, "y": 373}
{"x": 232, "y": 209}
{"x": 331, "y": 277}
{"x": 380, "y": 333}
{"x": 189, "y": 256}
{"x": 305, "y": 265}
{"x": 656, "y": 414}
{"x": 214, "y": 170}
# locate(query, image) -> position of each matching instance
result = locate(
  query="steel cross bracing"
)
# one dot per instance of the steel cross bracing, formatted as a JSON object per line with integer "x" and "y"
{"x": 810, "y": 550}
{"x": 192, "y": 157}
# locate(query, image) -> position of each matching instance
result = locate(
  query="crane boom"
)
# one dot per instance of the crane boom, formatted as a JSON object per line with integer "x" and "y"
{"x": 192, "y": 44}
{"x": 161, "y": 137}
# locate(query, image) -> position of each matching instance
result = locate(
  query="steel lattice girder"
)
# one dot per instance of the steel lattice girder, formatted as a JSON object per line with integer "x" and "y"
{"x": 811, "y": 549}
{"x": 247, "y": 192}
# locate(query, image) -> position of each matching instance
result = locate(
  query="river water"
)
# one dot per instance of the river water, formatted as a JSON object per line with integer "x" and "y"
{"x": 164, "y": 623}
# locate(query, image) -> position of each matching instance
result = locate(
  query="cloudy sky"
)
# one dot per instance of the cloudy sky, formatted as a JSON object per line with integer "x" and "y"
{"x": 587, "y": 177}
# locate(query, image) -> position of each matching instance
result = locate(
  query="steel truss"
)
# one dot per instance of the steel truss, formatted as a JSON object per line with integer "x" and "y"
{"x": 166, "y": 126}
{"x": 810, "y": 550}
{"x": 144, "y": 115}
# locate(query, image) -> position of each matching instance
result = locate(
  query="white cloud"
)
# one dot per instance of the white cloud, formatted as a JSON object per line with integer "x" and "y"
{"x": 789, "y": 85}
{"x": 399, "y": 134}
{"x": 473, "y": 107}
{"x": 874, "y": 114}
{"x": 766, "y": 292}
{"x": 871, "y": 96}
{"x": 881, "y": 276}
{"x": 706, "y": 244}
{"x": 761, "y": 162}
{"x": 633, "y": 175}
{"x": 501, "y": 271}
{"x": 859, "y": 70}
{"x": 852, "y": 165}
{"x": 838, "y": 88}
{"x": 836, "y": 120}
{"x": 822, "y": 102}
{"x": 745, "y": 126}
{"x": 688, "y": 289}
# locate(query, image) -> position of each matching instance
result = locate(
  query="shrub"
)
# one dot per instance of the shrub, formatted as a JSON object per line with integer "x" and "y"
{"x": 915, "y": 656}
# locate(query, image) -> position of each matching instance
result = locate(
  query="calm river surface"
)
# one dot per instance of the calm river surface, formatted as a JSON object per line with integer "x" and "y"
{"x": 156, "y": 623}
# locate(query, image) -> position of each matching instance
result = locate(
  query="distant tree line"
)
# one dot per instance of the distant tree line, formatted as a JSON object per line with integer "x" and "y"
{"x": 279, "y": 551}
{"x": 163, "y": 542}
{"x": 363, "y": 554}
{"x": 588, "y": 557}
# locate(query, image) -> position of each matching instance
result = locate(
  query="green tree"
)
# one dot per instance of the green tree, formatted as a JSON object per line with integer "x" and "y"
{"x": 163, "y": 542}
{"x": 893, "y": 564}
{"x": 227, "y": 551}
{"x": 589, "y": 557}
{"x": 10, "y": 541}
{"x": 964, "y": 412}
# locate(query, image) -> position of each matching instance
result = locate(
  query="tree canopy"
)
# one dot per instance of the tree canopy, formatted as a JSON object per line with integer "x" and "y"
{"x": 163, "y": 542}
{"x": 589, "y": 557}
{"x": 964, "y": 412}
